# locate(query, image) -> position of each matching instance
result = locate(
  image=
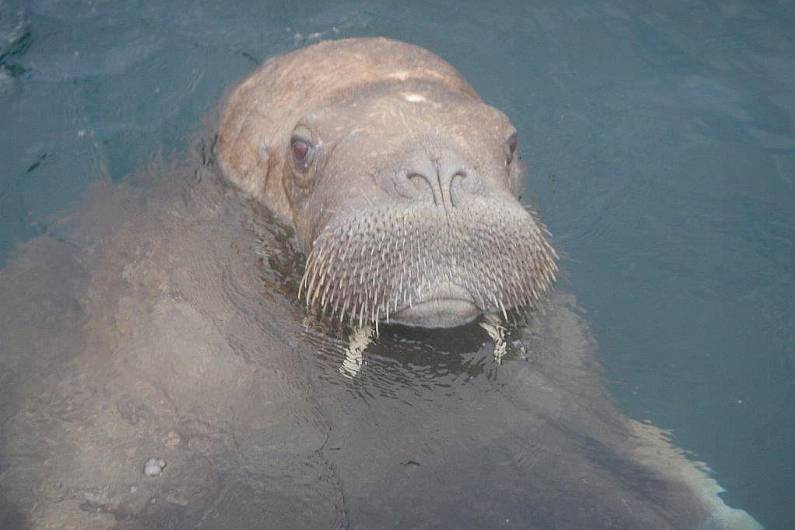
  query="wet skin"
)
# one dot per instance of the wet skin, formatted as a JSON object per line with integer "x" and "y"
{"x": 159, "y": 320}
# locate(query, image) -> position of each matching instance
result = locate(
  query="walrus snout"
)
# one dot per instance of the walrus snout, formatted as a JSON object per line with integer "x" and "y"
{"x": 428, "y": 266}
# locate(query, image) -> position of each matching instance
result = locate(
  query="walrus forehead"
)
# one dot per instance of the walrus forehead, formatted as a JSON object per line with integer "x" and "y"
{"x": 395, "y": 104}
{"x": 386, "y": 131}
{"x": 432, "y": 90}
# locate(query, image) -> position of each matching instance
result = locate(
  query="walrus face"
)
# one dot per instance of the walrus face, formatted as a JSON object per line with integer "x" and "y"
{"x": 405, "y": 199}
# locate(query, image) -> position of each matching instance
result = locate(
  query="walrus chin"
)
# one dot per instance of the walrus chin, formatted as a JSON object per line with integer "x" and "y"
{"x": 429, "y": 267}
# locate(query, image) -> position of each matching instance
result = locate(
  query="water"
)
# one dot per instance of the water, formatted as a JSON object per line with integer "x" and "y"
{"x": 660, "y": 146}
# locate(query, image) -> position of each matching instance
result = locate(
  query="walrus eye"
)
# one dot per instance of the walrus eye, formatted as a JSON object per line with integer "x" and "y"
{"x": 302, "y": 150}
{"x": 510, "y": 149}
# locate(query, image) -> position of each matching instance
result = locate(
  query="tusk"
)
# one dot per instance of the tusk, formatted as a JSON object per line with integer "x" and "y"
{"x": 358, "y": 341}
{"x": 494, "y": 327}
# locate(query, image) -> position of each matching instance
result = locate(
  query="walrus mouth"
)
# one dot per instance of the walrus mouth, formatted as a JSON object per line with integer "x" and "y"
{"x": 448, "y": 305}
{"x": 428, "y": 267}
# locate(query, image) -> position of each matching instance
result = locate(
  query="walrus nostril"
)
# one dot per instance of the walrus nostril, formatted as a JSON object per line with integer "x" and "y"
{"x": 446, "y": 188}
{"x": 456, "y": 182}
{"x": 423, "y": 185}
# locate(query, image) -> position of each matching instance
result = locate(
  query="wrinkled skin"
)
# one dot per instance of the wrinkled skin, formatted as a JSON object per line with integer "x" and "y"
{"x": 159, "y": 320}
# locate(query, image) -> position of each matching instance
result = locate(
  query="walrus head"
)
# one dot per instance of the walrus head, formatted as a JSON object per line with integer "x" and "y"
{"x": 401, "y": 183}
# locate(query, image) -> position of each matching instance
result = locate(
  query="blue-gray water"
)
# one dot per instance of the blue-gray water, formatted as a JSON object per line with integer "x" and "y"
{"x": 659, "y": 138}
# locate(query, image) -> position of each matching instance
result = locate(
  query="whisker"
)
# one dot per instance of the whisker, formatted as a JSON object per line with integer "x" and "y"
{"x": 369, "y": 266}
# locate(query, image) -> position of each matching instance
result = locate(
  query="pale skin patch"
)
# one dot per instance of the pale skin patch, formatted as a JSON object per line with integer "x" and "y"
{"x": 413, "y": 97}
{"x": 401, "y": 75}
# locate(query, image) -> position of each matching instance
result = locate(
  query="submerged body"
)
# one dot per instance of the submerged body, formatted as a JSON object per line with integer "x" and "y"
{"x": 157, "y": 326}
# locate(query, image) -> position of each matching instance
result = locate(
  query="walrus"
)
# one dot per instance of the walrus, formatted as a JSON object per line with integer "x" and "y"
{"x": 159, "y": 372}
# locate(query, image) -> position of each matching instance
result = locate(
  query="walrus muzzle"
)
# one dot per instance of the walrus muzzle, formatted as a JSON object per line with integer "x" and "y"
{"x": 429, "y": 267}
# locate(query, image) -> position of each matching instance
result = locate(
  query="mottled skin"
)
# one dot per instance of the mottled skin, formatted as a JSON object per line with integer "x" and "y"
{"x": 409, "y": 179}
{"x": 158, "y": 320}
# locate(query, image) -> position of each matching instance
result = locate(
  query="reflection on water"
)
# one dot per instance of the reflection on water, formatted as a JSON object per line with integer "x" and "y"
{"x": 659, "y": 141}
